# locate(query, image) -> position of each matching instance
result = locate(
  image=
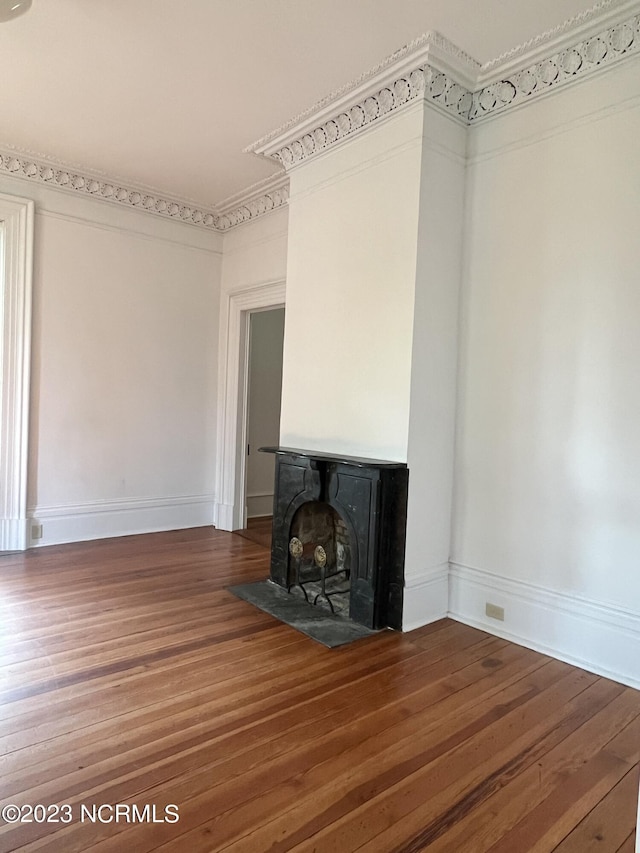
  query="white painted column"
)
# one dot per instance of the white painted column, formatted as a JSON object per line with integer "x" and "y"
{"x": 16, "y": 255}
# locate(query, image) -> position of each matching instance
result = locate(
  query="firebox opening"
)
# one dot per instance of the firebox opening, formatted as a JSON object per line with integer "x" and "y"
{"x": 320, "y": 557}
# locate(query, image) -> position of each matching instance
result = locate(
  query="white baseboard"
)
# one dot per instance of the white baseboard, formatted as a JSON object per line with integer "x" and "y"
{"x": 600, "y": 638}
{"x": 426, "y": 597}
{"x": 259, "y": 505}
{"x": 223, "y": 516}
{"x": 104, "y": 519}
{"x": 13, "y": 534}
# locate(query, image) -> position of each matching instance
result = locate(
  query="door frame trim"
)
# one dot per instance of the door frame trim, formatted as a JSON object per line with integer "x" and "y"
{"x": 230, "y": 486}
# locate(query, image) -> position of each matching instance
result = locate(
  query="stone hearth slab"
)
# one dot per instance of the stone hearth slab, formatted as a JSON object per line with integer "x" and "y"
{"x": 327, "y": 628}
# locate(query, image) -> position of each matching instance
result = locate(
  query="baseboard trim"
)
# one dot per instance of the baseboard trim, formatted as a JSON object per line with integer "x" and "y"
{"x": 13, "y": 534}
{"x": 105, "y": 519}
{"x": 426, "y": 597}
{"x": 223, "y": 516}
{"x": 259, "y": 504}
{"x": 602, "y": 639}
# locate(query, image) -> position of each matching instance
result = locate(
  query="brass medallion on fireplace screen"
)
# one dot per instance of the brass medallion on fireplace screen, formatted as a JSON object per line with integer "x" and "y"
{"x": 320, "y": 556}
{"x": 295, "y": 547}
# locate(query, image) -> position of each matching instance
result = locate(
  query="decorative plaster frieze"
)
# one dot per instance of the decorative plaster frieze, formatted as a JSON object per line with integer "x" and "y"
{"x": 433, "y": 69}
{"x": 402, "y": 61}
{"x": 565, "y": 66}
{"x": 582, "y": 25}
{"x": 426, "y": 82}
{"x": 59, "y": 176}
{"x": 254, "y": 208}
{"x": 430, "y": 67}
{"x": 254, "y": 202}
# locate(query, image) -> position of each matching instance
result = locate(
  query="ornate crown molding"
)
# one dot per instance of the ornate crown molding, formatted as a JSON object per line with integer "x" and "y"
{"x": 401, "y": 61}
{"x": 424, "y": 81}
{"x": 569, "y": 62}
{"x": 597, "y": 17}
{"x": 433, "y": 69}
{"x": 255, "y": 201}
{"x": 60, "y": 176}
{"x": 429, "y": 68}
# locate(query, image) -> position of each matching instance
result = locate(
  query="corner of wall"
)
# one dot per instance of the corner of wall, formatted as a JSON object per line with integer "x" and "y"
{"x": 597, "y": 637}
{"x": 426, "y": 598}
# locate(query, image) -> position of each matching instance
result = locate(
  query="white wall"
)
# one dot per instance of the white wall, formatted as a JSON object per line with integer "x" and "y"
{"x": 548, "y": 464}
{"x": 434, "y": 357}
{"x": 256, "y": 252}
{"x": 253, "y": 277}
{"x": 124, "y": 362}
{"x": 263, "y": 421}
{"x": 351, "y": 272}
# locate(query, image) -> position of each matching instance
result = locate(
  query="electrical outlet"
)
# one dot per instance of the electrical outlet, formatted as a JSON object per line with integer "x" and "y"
{"x": 36, "y": 531}
{"x": 494, "y": 612}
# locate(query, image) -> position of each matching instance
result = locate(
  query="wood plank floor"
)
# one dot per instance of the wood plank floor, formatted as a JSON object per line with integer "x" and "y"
{"x": 258, "y": 530}
{"x": 129, "y": 675}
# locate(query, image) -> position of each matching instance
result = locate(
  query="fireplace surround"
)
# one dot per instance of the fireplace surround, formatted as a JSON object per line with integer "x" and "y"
{"x": 339, "y": 527}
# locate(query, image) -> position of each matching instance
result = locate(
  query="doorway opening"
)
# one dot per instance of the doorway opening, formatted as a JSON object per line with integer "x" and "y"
{"x": 231, "y": 457}
{"x": 264, "y": 391}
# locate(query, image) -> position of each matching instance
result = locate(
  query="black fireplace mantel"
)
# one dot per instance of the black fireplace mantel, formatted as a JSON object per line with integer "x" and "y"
{"x": 370, "y": 496}
{"x": 358, "y": 461}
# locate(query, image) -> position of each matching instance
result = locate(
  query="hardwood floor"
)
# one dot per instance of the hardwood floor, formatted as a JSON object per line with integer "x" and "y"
{"x": 129, "y": 675}
{"x": 258, "y": 530}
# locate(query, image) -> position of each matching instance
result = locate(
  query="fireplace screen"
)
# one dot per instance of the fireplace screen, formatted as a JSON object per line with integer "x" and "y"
{"x": 320, "y": 556}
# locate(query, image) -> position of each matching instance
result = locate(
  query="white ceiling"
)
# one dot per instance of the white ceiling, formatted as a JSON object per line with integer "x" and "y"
{"x": 167, "y": 93}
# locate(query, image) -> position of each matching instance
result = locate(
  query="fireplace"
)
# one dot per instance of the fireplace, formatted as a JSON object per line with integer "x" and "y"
{"x": 339, "y": 533}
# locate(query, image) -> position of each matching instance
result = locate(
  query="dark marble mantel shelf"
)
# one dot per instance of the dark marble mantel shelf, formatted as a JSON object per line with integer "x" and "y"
{"x": 359, "y": 461}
